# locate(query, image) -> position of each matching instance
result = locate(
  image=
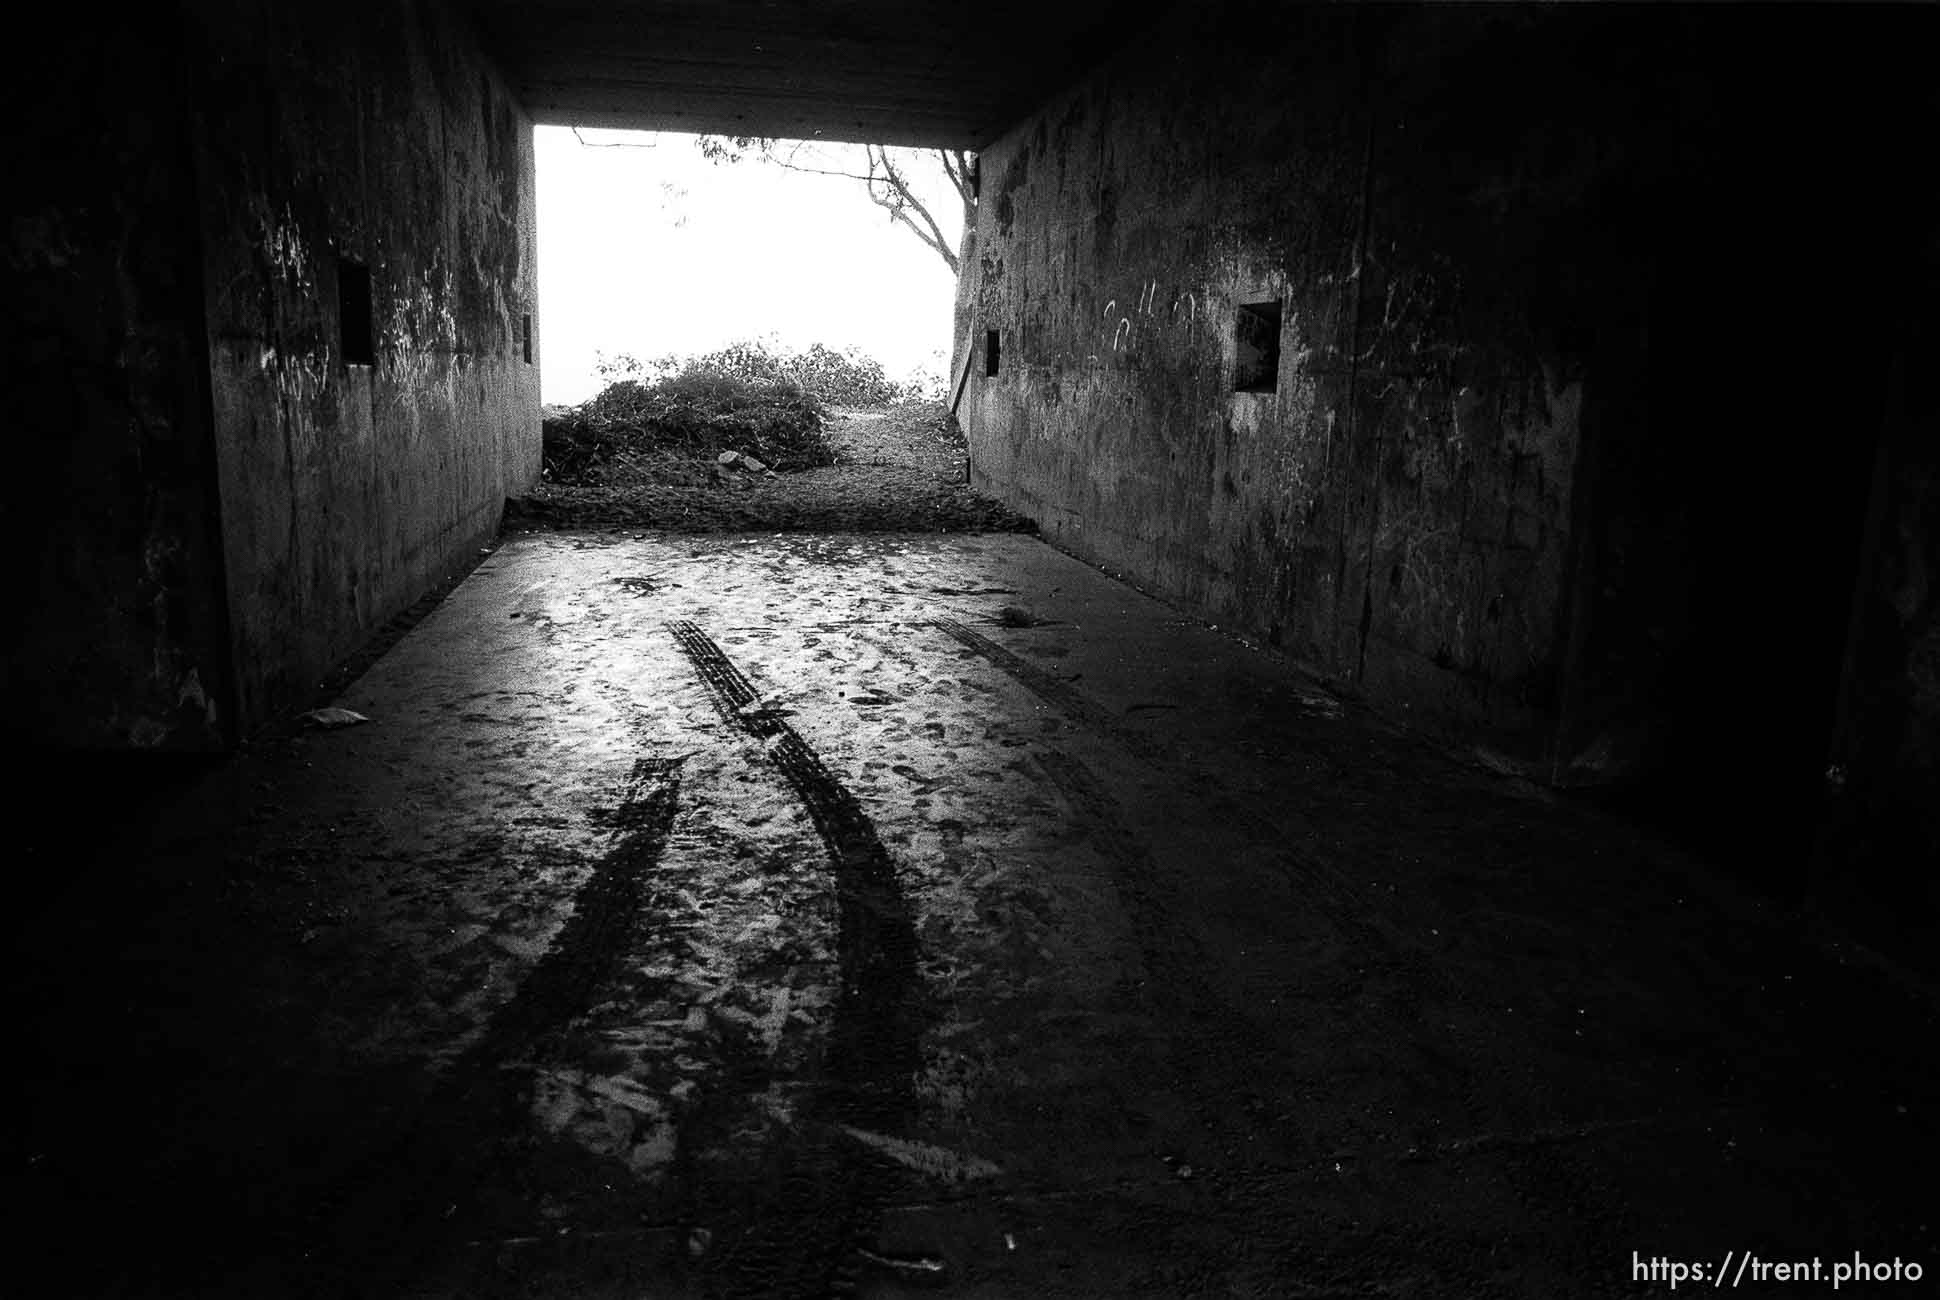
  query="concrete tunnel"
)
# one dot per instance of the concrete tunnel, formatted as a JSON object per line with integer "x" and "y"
{"x": 1549, "y": 381}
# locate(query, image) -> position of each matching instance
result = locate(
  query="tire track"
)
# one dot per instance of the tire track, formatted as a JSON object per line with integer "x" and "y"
{"x": 823, "y": 1222}
{"x": 1344, "y": 905}
{"x": 1158, "y": 906}
{"x": 589, "y": 946}
{"x": 1072, "y": 703}
{"x": 1176, "y": 961}
{"x": 460, "y": 1152}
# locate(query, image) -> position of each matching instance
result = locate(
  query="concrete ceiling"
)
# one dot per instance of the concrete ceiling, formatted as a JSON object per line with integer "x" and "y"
{"x": 922, "y": 72}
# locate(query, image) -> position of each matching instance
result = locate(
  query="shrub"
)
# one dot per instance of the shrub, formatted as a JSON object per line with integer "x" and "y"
{"x": 696, "y": 411}
{"x": 755, "y": 397}
{"x": 845, "y": 377}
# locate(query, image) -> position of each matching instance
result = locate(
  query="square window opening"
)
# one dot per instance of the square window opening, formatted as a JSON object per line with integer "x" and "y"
{"x": 991, "y": 353}
{"x": 358, "y": 339}
{"x": 1256, "y": 347}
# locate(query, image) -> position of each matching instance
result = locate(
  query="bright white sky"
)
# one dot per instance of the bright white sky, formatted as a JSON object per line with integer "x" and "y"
{"x": 657, "y": 250}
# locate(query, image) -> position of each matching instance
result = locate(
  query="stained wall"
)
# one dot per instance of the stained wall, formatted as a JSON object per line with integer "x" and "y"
{"x": 1580, "y": 322}
{"x": 214, "y": 501}
{"x": 113, "y": 633}
{"x": 379, "y": 137}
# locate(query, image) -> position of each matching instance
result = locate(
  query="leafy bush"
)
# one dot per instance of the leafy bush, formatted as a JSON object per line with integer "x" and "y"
{"x": 754, "y": 397}
{"x": 847, "y": 377}
{"x": 696, "y": 411}
{"x": 925, "y": 385}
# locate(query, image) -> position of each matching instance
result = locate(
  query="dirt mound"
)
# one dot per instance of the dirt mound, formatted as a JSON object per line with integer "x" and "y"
{"x": 917, "y": 435}
{"x": 696, "y": 414}
{"x": 901, "y": 468}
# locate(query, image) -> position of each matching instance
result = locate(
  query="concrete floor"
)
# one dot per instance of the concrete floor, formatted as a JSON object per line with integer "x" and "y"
{"x": 810, "y": 915}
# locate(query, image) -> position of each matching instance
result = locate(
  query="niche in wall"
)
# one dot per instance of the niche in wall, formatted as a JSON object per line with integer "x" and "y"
{"x": 356, "y": 334}
{"x": 1256, "y": 347}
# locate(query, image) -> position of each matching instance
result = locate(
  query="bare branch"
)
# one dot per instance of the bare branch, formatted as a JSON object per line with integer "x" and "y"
{"x": 614, "y": 144}
{"x": 883, "y": 180}
{"x": 936, "y": 230}
{"x": 898, "y": 199}
{"x": 957, "y": 165}
{"x": 820, "y": 171}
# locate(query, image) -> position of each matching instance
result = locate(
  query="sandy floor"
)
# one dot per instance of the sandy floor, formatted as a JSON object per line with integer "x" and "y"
{"x": 809, "y": 915}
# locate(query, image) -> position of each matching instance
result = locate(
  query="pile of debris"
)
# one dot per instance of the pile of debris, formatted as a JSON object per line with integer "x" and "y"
{"x": 838, "y": 499}
{"x": 693, "y": 416}
{"x": 694, "y": 456}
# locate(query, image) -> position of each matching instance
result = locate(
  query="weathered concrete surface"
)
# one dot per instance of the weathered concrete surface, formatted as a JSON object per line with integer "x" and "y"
{"x": 380, "y": 135}
{"x": 1879, "y": 847}
{"x": 113, "y": 635}
{"x": 220, "y": 506}
{"x": 916, "y": 72}
{"x": 1397, "y": 508}
{"x": 1548, "y": 279}
{"x": 768, "y": 915}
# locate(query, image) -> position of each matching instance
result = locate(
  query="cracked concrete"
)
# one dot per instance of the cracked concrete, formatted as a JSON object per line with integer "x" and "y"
{"x": 797, "y": 915}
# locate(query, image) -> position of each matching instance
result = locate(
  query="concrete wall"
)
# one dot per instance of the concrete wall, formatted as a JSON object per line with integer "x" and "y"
{"x": 114, "y": 635}
{"x": 1397, "y": 508}
{"x": 377, "y": 134}
{"x": 1881, "y": 838}
{"x": 213, "y": 505}
{"x": 1579, "y": 377}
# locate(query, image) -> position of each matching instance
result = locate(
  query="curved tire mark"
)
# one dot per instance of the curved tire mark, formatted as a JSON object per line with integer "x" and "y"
{"x": 874, "y": 1041}
{"x": 457, "y": 1153}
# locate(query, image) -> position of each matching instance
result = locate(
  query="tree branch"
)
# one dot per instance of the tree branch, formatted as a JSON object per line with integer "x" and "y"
{"x": 956, "y": 165}
{"x": 614, "y": 144}
{"x": 820, "y": 171}
{"x": 884, "y": 182}
{"x": 898, "y": 199}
